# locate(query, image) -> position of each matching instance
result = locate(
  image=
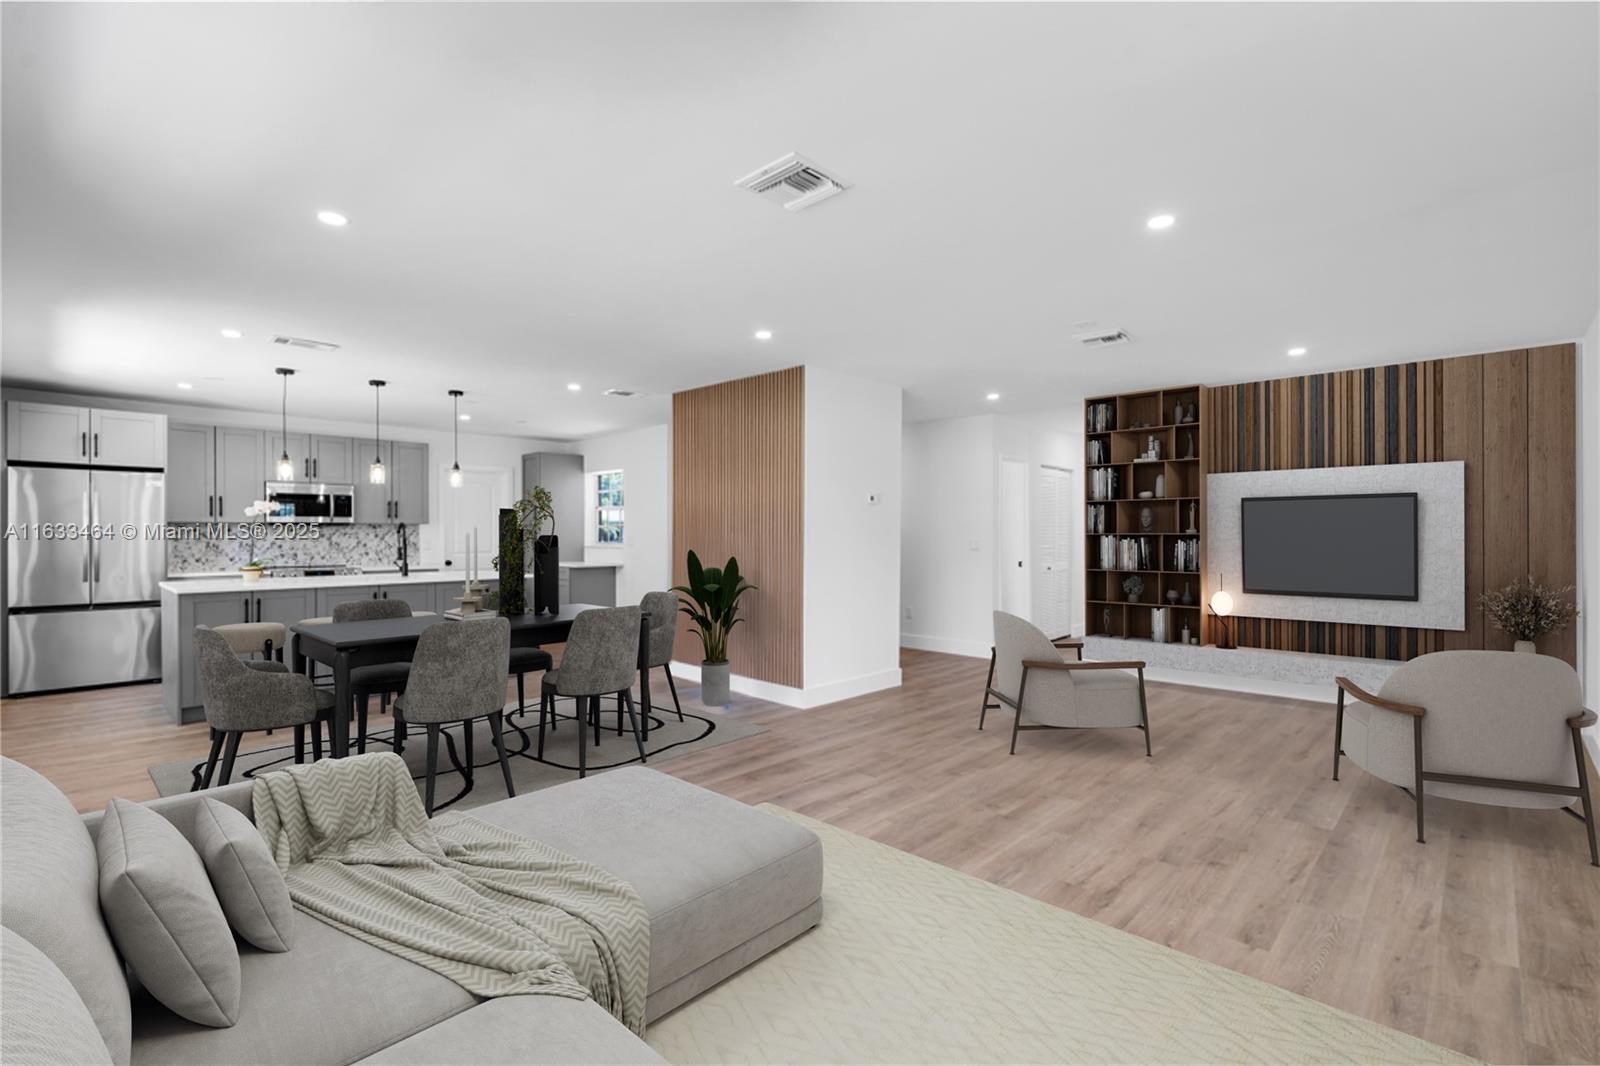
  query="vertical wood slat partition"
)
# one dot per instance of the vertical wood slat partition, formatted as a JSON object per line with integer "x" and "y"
{"x": 738, "y": 488}
{"x": 1509, "y": 416}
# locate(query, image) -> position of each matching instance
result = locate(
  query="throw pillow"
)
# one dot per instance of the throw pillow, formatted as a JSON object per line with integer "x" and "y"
{"x": 249, "y": 885}
{"x": 164, "y": 916}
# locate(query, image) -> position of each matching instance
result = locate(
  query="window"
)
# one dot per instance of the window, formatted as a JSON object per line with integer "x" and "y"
{"x": 608, "y": 507}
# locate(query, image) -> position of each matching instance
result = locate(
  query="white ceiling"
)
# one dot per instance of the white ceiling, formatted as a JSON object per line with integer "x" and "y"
{"x": 543, "y": 194}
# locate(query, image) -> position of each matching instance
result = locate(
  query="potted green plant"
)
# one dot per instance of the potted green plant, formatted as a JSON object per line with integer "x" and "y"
{"x": 535, "y": 511}
{"x": 1527, "y": 610}
{"x": 712, "y": 603}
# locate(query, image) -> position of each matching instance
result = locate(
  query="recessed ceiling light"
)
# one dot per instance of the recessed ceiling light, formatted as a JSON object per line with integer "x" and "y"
{"x": 465, "y": 418}
{"x": 332, "y": 218}
{"x": 184, "y": 385}
{"x": 573, "y": 386}
{"x": 992, "y": 396}
{"x": 1297, "y": 351}
{"x": 232, "y": 334}
{"x": 1160, "y": 221}
{"x": 763, "y": 334}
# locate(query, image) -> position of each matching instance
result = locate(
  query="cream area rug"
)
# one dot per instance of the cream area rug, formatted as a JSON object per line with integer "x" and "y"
{"x": 915, "y": 962}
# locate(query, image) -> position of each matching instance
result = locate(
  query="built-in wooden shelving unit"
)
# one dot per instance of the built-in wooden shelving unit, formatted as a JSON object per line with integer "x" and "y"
{"x": 1145, "y": 442}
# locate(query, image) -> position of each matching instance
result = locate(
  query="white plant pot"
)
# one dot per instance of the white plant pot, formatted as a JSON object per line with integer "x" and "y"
{"x": 251, "y": 574}
{"x": 1527, "y": 646}
{"x": 714, "y": 684}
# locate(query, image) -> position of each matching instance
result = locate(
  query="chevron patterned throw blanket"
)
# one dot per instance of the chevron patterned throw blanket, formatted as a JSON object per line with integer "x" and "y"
{"x": 497, "y": 913}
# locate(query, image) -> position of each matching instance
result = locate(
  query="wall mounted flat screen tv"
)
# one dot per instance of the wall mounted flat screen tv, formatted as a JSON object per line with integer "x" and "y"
{"x": 1361, "y": 546}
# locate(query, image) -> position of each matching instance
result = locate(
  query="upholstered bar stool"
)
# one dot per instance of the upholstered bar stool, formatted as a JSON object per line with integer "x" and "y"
{"x": 526, "y": 661}
{"x": 265, "y": 639}
{"x": 380, "y": 679}
{"x": 601, "y": 659}
{"x": 241, "y": 697}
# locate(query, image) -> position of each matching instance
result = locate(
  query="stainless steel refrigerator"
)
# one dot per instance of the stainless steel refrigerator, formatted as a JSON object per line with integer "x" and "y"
{"x": 83, "y": 610}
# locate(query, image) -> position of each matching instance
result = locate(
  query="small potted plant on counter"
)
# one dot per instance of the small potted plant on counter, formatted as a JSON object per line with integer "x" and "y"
{"x": 712, "y": 603}
{"x": 1526, "y": 610}
{"x": 252, "y": 570}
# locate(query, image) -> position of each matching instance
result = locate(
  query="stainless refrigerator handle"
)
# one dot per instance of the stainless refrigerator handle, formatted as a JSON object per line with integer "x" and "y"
{"x": 94, "y": 520}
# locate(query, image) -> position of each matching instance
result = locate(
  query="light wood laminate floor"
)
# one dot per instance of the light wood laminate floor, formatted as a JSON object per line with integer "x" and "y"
{"x": 1232, "y": 844}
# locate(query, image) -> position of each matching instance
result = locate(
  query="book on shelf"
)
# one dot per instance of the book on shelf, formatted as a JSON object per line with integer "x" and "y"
{"x": 1126, "y": 553}
{"x": 1097, "y": 517}
{"x": 1099, "y": 451}
{"x": 1186, "y": 555}
{"x": 1104, "y": 483}
{"x": 1102, "y": 416}
{"x": 1158, "y": 624}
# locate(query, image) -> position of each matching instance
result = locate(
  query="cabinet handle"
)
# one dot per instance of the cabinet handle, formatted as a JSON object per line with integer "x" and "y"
{"x": 247, "y": 608}
{"x": 219, "y": 505}
{"x": 83, "y": 445}
{"x": 97, "y": 445}
{"x": 258, "y": 608}
{"x": 314, "y": 468}
{"x": 210, "y": 506}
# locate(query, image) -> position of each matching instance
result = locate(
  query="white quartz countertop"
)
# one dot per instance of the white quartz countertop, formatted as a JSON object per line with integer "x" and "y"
{"x": 591, "y": 566}
{"x": 199, "y": 586}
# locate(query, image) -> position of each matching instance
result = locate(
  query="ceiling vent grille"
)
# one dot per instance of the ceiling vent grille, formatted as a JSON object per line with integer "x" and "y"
{"x": 302, "y": 342}
{"x": 794, "y": 182}
{"x": 1101, "y": 338}
{"x": 621, "y": 392}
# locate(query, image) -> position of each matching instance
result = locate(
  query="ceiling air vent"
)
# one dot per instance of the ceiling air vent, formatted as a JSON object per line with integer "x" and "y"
{"x": 302, "y": 342}
{"x": 621, "y": 392}
{"x": 793, "y": 181}
{"x": 1102, "y": 337}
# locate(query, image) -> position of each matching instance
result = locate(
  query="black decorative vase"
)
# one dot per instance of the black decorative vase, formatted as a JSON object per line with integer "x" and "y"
{"x": 546, "y": 573}
{"x": 513, "y": 596}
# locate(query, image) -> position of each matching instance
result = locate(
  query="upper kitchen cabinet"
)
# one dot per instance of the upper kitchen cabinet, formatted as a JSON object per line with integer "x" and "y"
{"x": 46, "y": 433}
{"x": 241, "y": 459}
{"x": 61, "y": 433}
{"x": 333, "y": 460}
{"x": 127, "y": 438}
{"x": 299, "y": 455}
{"x": 403, "y": 497}
{"x": 191, "y": 473}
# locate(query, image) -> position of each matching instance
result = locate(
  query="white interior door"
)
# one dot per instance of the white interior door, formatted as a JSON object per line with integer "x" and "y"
{"x": 1053, "y": 547}
{"x": 475, "y": 506}
{"x": 1015, "y": 594}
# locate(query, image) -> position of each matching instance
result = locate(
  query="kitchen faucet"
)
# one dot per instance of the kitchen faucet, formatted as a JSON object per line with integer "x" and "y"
{"x": 403, "y": 560}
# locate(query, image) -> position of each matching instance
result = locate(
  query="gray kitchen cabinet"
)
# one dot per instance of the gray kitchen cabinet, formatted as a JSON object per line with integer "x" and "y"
{"x": 562, "y": 474}
{"x": 127, "y": 438}
{"x": 240, "y": 466}
{"x": 284, "y": 606}
{"x": 333, "y": 460}
{"x": 249, "y": 604}
{"x": 191, "y": 473}
{"x": 418, "y": 597}
{"x": 408, "y": 482}
{"x": 373, "y": 502}
{"x": 299, "y": 455}
{"x": 46, "y": 432}
{"x": 328, "y": 599}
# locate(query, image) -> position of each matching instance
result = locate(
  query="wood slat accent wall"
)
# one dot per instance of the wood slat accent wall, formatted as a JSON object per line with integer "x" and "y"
{"x": 738, "y": 488}
{"x": 1510, "y": 416}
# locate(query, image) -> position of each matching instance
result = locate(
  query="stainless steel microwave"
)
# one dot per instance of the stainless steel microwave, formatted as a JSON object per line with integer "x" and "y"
{"x": 298, "y": 501}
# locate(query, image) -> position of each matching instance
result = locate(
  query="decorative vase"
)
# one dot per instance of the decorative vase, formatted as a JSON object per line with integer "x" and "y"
{"x": 1188, "y": 597}
{"x": 1161, "y": 485}
{"x": 714, "y": 684}
{"x": 1172, "y": 595}
{"x": 1526, "y": 646}
{"x": 251, "y": 574}
{"x": 1177, "y": 413}
{"x": 546, "y": 573}
{"x": 511, "y": 560}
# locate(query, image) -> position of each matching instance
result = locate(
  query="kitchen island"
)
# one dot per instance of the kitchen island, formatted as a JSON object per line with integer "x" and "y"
{"x": 213, "y": 601}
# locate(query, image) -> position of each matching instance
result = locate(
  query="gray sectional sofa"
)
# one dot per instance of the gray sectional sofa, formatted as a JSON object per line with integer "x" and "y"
{"x": 724, "y": 884}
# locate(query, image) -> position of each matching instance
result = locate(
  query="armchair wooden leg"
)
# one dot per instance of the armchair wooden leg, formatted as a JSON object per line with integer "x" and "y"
{"x": 433, "y": 757}
{"x": 299, "y": 744}
{"x": 1588, "y": 803}
{"x": 1144, "y": 716}
{"x": 1338, "y": 733}
{"x": 500, "y": 750}
{"x": 673, "y": 688}
{"x": 988, "y": 683}
{"x": 228, "y": 754}
{"x": 211, "y": 759}
{"x": 638, "y": 737}
{"x": 1416, "y": 735}
{"x": 1016, "y": 723}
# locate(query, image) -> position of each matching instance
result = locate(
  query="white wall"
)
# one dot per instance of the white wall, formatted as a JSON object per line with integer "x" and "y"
{"x": 1049, "y": 438}
{"x": 852, "y": 545}
{"x": 1589, "y": 523}
{"x": 477, "y": 449}
{"x": 645, "y": 458}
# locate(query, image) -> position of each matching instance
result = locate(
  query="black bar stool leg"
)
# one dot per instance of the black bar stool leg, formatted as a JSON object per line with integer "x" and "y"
{"x": 544, "y": 708}
{"x": 583, "y": 740}
{"x": 299, "y": 744}
{"x": 522, "y": 706}
{"x": 466, "y": 745}
{"x": 361, "y": 723}
{"x": 316, "y": 740}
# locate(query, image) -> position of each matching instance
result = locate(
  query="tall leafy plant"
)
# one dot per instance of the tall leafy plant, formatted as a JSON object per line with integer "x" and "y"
{"x": 536, "y": 509}
{"x": 712, "y": 603}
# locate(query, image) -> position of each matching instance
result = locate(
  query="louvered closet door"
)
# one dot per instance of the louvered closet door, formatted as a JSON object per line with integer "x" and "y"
{"x": 1053, "y": 592}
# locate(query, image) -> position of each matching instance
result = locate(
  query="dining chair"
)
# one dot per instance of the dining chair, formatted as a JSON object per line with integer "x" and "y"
{"x": 458, "y": 674}
{"x": 601, "y": 658}
{"x": 381, "y": 679}
{"x": 246, "y": 697}
{"x": 662, "y": 609}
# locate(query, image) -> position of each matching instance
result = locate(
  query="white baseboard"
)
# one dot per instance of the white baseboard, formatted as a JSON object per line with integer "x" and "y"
{"x": 804, "y": 698}
{"x": 975, "y": 649}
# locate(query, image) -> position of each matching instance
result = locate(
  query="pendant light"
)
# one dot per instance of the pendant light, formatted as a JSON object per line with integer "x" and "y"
{"x": 285, "y": 464}
{"x": 376, "y": 474}
{"x": 455, "y": 426}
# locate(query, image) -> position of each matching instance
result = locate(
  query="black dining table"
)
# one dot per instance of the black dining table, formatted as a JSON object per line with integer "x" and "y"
{"x": 343, "y": 646}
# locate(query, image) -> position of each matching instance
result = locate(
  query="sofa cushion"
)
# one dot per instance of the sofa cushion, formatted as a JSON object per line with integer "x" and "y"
{"x": 332, "y": 1000}
{"x": 532, "y": 1030}
{"x": 44, "y": 1022}
{"x": 50, "y": 894}
{"x": 164, "y": 915}
{"x": 713, "y": 872}
{"x": 248, "y": 883}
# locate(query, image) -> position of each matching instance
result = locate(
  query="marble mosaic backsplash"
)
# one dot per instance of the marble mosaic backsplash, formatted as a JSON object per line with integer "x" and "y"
{"x": 215, "y": 547}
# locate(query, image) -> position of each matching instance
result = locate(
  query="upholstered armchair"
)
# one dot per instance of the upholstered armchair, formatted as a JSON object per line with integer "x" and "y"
{"x": 241, "y": 697}
{"x": 1045, "y": 691}
{"x": 1494, "y": 727}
